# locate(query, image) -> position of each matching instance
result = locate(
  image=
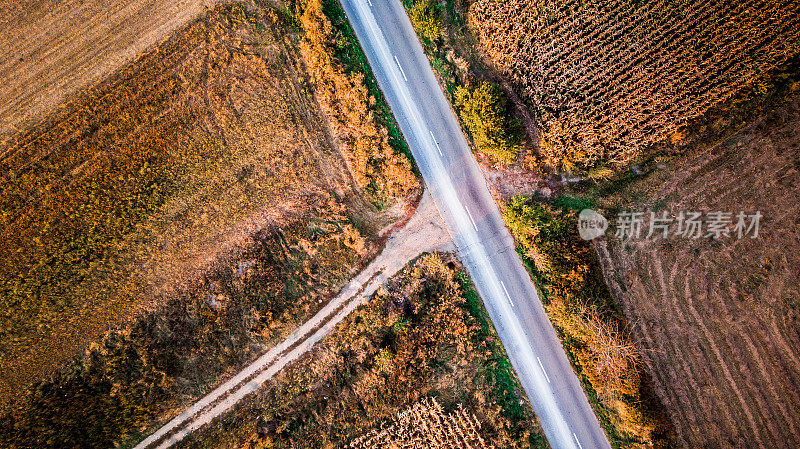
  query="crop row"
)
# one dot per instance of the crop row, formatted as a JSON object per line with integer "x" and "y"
{"x": 609, "y": 80}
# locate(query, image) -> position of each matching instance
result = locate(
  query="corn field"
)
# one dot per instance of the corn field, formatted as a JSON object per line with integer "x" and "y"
{"x": 425, "y": 425}
{"x": 607, "y": 80}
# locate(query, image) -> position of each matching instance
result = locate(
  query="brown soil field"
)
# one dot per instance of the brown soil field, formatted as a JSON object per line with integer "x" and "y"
{"x": 53, "y": 48}
{"x": 608, "y": 80}
{"x": 207, "y": 148}
{"x": 718, "y": 319}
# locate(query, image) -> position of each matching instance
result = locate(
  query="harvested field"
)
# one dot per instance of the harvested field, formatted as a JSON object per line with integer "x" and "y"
{"x": 51, "y": 49}
{"x": 607, "y": 80}
{"x": 426, "y": 425}
{"x": 719, "y": 319}
{"x": 207, "y": 148}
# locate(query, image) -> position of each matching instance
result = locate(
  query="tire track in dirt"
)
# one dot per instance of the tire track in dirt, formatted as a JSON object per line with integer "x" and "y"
{"x": 710, "y": 412}
{"x": 760, "y": 364}
{"x": 620, "y": 284}
{"x": 718, "y": 320}
{"x": 424, "y": 232}
{"x": 703, "y": 296}
{"x": 711, "y": 409}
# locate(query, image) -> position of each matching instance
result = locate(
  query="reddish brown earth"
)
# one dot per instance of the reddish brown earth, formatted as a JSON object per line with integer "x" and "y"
{"x": 718, "y": 320}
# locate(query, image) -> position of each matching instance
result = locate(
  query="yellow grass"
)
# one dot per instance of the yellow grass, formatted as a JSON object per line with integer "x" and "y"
{"x": 131, "y": 190}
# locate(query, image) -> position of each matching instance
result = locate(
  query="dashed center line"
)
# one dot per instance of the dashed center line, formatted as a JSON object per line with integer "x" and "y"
{"x": 437, "y": 143}
{"x": 507, "y": 295}
{"x": 470, "y": 217}
{"x": 437, "y": 173}
{"x": 542, "y": 367}
{"x": 402, "y": 72}
{"x": 576, "y": 440}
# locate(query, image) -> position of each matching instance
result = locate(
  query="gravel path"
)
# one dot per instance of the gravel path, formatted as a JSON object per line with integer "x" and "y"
{"x": 424, "y": 232}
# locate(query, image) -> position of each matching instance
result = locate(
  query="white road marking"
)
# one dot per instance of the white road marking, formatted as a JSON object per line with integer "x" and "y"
{"x": 545, "y": 372}
{"x": 437, "y": 143}
{"x": 576, "y": 440}
{"x": 470, "y": 217}
{"x": 507, "y": 295}
{"x": 477, "y": 259}
{"x": 402, "y": 72}
{"x": 370, "y": 3}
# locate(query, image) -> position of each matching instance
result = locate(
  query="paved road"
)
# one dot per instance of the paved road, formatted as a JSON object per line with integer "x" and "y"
{"x": 452, "y": 175}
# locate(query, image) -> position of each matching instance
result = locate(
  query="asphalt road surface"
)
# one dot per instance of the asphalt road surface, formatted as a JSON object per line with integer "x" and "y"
{"x": 452, "y": 175}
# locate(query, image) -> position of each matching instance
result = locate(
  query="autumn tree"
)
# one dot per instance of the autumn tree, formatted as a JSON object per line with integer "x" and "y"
{"x": 484, "y": 110}
{"x": 426, "y": 17}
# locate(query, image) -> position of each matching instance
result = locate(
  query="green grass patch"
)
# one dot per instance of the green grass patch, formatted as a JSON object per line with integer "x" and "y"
{"x": 498, "y": 367}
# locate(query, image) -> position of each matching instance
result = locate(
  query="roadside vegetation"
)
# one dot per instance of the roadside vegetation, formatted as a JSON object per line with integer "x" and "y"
{"x": 424, "y": 337}
{"x": 426, "y": 18}
{"x": 484, "y": 111}
{"x": 593, "y": 329}
{"x": 482, "y": 106}
{"x": 362, "y": 123}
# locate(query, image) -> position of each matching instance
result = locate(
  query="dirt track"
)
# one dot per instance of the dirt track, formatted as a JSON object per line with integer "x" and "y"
{"x": 424, "y": 232}
{"x": 52, "y": 48}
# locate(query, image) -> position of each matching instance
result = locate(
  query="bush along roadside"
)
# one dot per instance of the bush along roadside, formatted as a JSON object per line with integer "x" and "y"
{"x": 498, "y": 369}
{"x": 360, "y": 119}
{"x": 592, "y": 328}
{"x": 482, "y": 106}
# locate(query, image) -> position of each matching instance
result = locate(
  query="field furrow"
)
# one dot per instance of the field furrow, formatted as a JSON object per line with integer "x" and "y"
{"x": 718, "y": 319}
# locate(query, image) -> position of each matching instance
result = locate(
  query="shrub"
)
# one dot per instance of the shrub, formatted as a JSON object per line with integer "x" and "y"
{"x": 484, "y": 111}
{"x": 426, "y": 17}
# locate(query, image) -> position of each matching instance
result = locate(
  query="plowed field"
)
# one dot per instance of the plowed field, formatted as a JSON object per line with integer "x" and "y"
{"x": 719, "y": 319}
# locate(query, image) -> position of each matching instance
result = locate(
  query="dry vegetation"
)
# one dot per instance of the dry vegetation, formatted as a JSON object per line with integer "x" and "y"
{"x": 372, "y": 160}
{"x": 719, "y": 319}
{"x": 425, "y": 425}
{"x": 52, "y": 48}
{"x": 424, "y": 336}
{"x": 594, "y": 332}
{"x": 200, "y": 180}
{"x": 606, "y": 81}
